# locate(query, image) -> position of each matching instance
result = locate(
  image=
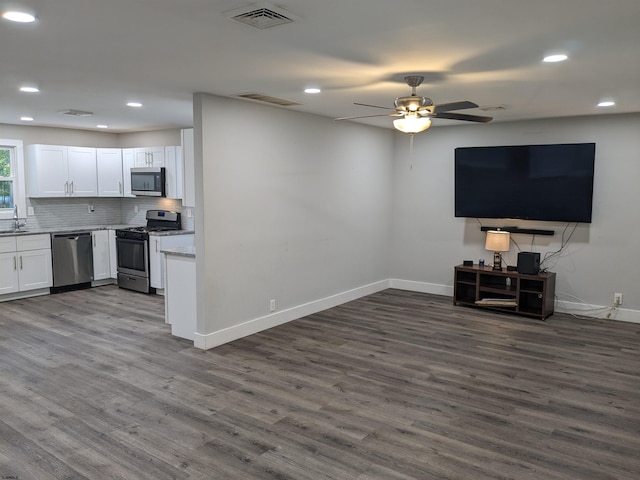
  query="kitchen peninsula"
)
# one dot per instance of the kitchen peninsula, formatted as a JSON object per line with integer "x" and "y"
{"x": 180, "y": 299}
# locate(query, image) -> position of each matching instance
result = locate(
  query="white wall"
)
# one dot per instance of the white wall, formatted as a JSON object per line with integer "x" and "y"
{"x": 295, "y": 208}
{"x": 601, "y": 258}
{"x": 89, "y": 138}
{"x": 166, "y": 137}
{"x": 58, "y": 136}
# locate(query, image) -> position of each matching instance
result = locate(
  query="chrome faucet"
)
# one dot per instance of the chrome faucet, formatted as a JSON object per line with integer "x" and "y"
{"x": 16, "y": 219}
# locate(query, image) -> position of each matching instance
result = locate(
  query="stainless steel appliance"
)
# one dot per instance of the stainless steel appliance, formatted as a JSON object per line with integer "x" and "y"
{"x": 72, "y": 255}
{"x": 148, "y": 181}
{"x": 132, "y": 245}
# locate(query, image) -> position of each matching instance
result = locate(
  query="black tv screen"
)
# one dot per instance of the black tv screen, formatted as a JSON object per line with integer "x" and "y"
{"x": 532, "y": 182}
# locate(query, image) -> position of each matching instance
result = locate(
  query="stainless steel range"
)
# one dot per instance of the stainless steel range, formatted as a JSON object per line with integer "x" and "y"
{"x": 132, "y": 246}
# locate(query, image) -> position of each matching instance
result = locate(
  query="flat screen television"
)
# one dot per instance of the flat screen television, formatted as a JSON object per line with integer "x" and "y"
{"x": 532, "y": 182}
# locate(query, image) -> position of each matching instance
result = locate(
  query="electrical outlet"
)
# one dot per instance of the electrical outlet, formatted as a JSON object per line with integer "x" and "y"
{"x": 272, "y": 305}
{"x": 90, "y": 208}
{"x": 30, "y": 211}
{"x": 617, "y": 299}
{"x": 135, "y": 209}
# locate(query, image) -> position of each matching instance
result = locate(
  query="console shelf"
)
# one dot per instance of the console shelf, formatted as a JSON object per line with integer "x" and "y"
{"x": 507, "y": 291}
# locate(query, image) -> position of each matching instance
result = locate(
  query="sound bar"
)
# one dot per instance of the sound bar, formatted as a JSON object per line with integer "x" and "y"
{"x": 524, "y": 231}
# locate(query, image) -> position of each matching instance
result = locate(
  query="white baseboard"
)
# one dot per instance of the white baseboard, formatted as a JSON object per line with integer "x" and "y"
{"x": 422, "y": 287}
{"x": 211, "y": 340}
{"x": 597, "y": 311}
{"x": 25, "y": 294}
{"x": 220, "y": 337}
{"x": 561, "y": 306}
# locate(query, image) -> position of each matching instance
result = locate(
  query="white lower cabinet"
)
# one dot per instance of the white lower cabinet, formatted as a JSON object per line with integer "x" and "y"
{"x": 101, "y": 255}
{"x": 25, "y": 263}
{"x": 35, "y": 269}
{"x": 180, "y": 299}
{"x": 8, "y": 272}
{"x": 113, "y": 255}
{"x": 157, "y": 243}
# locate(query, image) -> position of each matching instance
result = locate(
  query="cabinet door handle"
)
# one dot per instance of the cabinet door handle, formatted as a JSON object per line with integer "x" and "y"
{"x": 21, "y": 262}
{"x": 120, "y": 188}
{"x": 94, "y": 239}
{"x": 71, "y": 188}
{"x": 15, "y": 263}
{"x": 157, "y": 242}
{"x": 66, "y": 188}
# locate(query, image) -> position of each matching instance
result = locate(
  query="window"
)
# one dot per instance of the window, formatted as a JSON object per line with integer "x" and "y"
{"x": 12, "y": 191}
{"x": 6, "y": 177}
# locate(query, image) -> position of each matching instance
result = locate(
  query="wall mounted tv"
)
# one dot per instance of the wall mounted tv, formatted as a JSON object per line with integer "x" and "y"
{"x": 532, "y": 182}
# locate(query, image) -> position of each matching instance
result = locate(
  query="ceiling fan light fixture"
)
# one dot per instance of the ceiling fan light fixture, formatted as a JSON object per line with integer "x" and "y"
{"x": 18, "y": 16}
{"x": 412, "y": 124}
{"x": 555, "y": 58}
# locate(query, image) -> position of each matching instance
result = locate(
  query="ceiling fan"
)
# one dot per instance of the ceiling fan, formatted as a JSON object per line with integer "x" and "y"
{"x": 415, "y": 113}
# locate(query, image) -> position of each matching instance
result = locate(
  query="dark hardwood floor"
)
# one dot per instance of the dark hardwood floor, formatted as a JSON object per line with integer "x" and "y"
{"x": 397, "y": 385}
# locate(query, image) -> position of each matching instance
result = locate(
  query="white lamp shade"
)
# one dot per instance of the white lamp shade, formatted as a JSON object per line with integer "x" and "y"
{"x": 412, "y": 123}
{"x": 497, "y": 241}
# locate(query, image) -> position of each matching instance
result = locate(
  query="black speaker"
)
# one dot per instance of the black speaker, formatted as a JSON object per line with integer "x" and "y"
{"x": 528, "y": 263}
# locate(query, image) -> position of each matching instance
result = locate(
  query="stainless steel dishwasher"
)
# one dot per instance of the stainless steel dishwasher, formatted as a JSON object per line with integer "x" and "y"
{"x": 72, "y": 255}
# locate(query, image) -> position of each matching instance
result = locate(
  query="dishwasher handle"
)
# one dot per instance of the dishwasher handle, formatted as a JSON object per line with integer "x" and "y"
{"x": 70, "y": 236}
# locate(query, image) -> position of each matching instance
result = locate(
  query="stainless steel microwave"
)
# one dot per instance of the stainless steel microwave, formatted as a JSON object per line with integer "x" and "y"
{"x": 148, "y": 181}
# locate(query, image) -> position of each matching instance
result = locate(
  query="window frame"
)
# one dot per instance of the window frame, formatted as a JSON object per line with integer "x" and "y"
{"x": 18, "y": 172}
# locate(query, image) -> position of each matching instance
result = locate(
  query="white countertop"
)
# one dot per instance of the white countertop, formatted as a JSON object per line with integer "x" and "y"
{"x": 83, "y": 228}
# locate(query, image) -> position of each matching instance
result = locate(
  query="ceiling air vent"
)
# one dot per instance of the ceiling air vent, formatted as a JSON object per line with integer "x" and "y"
{"x": 75, "y": 113}
{"x": 262, "y": 16}
{"x": 259, "y": 97}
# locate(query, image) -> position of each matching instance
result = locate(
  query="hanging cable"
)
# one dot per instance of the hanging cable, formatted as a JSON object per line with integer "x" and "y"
{"x": 563, "y": 244}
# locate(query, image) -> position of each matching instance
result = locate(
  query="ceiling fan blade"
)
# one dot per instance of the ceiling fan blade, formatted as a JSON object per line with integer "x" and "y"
{"x": 369, "y": 116}
{"x": 446, "y": 107}
{"x": 373, "y": 106}
{"x": 462, "y": 116}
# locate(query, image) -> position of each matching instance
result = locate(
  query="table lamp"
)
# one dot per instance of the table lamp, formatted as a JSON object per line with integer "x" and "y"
{"x": 497, "y": 241}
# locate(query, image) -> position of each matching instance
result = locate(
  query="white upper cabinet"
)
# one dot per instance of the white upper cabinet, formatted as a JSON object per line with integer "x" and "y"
{"x": 128, "y": 162}
{"x": 173, "y": 171}
{"x": 188, "y": 169}
{"x": 110, "y": 178}
{"x": 83, "y": 172}
{"x": 47, "y": 174}
{"x": 59, "y": 171}
{"x": 149, "y": 157}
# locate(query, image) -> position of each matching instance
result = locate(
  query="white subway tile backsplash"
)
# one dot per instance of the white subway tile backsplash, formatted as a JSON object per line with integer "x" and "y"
{"x": 75, "y": 212}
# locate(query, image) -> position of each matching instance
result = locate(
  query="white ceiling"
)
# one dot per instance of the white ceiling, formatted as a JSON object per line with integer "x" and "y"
{"x": 97, "y": 55}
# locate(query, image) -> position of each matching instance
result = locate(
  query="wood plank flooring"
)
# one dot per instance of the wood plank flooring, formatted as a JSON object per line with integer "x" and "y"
{"x": 394, "y": 386}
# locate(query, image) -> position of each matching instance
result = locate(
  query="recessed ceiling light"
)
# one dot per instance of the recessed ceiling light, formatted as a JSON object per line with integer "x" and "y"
{"x": 134, "y": 104}
{"x": 20, "y": 17}
{"x": 312, "y": 90}
{"x": 606, "y": 103}
{"x": 28, "y": 89}
{"x": 559, "y": 57}
{"x": 27, "y": 119}
{"x": 102, "y": 126}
